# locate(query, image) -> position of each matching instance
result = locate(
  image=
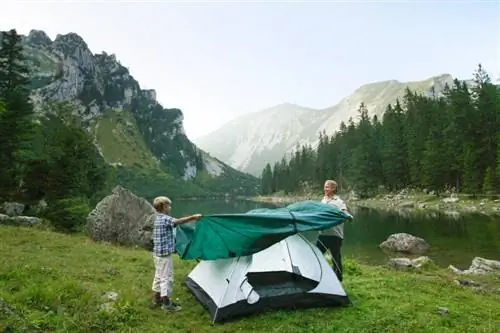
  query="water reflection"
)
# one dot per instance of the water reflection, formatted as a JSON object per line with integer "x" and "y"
{"x": 454, "y": 239}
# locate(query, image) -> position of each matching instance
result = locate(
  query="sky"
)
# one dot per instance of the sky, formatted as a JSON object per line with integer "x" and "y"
{"x": 217, "y": 60}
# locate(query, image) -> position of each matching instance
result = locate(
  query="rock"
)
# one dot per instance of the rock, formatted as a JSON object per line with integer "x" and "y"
{"x": 18, "y": 220}
{"x": 442, "y": 311}
{"x": 450, "y": 200}
{"x": 467, "y": 283}
{"x": 13, "y": 208}
{"x": 407, "y": 204}
{"x": 406, "y": 263}
{"x": 122, "y": 218}
{"x": 406, "y": 243}
{"x": 25, "y": 220}
{"x": 111, "y": 296}
{"x": 479, "y": 266}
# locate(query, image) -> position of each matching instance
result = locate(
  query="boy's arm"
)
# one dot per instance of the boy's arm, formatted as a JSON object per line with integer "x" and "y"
{"x": 186, "y": 219}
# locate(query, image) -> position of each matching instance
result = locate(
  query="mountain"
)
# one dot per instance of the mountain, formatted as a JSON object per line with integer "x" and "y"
{"x": 249, "y": 142}
{"x": 144, "y": 141}
{"x": 246, "y": 142}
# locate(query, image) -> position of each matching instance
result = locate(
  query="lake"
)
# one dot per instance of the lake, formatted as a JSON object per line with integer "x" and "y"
{"x": 453, "y": 239}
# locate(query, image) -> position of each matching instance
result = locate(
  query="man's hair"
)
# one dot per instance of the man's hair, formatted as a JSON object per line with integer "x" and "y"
{"x": 333, "y": 183}
{"x": 159, "y": 203}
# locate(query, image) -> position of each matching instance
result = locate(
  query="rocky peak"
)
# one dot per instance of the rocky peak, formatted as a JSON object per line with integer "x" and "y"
{"x": 38, "y": 38}
{"x": 69, "y": 42}
{"x": 66, "y": 70}
{"x": 150, "y": 94}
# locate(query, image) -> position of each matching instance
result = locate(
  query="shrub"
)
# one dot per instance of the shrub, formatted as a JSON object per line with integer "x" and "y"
{"x": 68, "y": 215}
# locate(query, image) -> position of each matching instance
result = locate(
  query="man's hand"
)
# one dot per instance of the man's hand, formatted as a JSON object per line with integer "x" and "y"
{"x": 196, "y": 217}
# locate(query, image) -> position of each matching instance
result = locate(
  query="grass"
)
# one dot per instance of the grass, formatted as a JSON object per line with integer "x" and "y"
{"x": 51, "y": 282}
{"x": 119, "y": 139}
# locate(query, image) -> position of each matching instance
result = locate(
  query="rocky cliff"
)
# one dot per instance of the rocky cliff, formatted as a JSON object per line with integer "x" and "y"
{"x": 249, "y": 142}
{"x": 130, "y": 128}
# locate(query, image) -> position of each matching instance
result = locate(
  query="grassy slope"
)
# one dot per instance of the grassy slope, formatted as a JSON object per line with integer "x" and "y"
{"x": 56, "y": 282}
{"x": 117, "y": 136}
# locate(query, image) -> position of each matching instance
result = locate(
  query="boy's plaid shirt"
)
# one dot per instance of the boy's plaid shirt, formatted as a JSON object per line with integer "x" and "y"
{"x": 163, "y": 235}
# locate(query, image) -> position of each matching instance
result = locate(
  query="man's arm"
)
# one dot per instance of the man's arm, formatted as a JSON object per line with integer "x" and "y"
{"x": 186, "y": 219}
{"x": 343, "y": 207}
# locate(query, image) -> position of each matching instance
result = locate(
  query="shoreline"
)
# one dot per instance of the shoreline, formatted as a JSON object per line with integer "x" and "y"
{"x": 411, "y": 203}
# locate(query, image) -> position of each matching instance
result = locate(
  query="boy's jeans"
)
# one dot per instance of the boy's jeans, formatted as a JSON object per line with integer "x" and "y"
{"x": 163, "y": 282}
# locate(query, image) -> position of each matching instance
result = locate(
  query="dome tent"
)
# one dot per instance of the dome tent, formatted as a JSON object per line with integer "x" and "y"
{"x": 265, "y": 258}
{"x": 291, "y": 273}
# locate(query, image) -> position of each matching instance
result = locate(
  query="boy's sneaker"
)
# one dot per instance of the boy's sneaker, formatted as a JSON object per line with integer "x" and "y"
{"x": 171, "y": 307}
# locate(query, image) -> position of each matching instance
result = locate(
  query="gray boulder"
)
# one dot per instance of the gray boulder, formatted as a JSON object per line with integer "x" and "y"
{"x": 405, "y": 243}
{"x": 407, "y": 263}
{"x": 13, "y": 208}
{"x": 19, "y": 220}
{"x": 479, "y": 266}
{"x": 122, "y": 218}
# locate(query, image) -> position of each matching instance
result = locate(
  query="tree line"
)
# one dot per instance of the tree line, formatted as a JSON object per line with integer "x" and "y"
{"x": 448, "y": 141}
{"x": 44, "y": 155}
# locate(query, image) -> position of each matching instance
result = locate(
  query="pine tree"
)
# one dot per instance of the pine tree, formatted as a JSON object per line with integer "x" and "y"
{"x": 364, "y": 154}
{"x": 434, "y": 164}
{"x": 267, "y": 180}
{"x": 16, "y": 125}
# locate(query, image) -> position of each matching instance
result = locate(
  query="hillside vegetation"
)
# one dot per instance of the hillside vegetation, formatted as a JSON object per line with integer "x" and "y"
{"x": 51, "y": 282}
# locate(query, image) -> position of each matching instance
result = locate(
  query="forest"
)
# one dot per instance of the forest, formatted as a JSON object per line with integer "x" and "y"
{"x": 438, "y": 142}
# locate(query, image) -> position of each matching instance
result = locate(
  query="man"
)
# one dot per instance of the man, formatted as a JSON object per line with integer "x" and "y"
{"x": 331, "y": 239}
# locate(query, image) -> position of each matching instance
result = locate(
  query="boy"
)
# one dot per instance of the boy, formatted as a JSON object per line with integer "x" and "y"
{"x": 164, "y": 247}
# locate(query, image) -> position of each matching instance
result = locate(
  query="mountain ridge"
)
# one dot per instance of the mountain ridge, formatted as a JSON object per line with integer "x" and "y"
{"x": 237, "y": 144}
{"x": 130, "y": 128}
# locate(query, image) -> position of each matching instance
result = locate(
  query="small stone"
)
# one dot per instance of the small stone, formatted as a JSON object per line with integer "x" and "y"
{"x": 111, "y": 295}
{"x": 406, "y": 263}
{"x": 467, "y": 283}
{"x": 443, "y": 311}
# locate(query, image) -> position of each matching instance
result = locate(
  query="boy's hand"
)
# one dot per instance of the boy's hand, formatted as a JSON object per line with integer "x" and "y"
{"x": 196, "y": 217}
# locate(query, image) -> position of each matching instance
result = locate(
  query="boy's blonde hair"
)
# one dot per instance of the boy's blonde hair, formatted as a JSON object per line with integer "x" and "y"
{"x": 159, "y": 203}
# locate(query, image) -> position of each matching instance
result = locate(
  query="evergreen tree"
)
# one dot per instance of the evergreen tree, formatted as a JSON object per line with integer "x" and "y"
{"x": 16, "y": 121}
{"x": 363, "y": 158}
{"x": 267, "y": 180}
{"x": 67, "y": 163}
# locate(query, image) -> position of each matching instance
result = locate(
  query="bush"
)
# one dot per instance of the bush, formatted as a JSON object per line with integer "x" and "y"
{"x": 68, "y": 215}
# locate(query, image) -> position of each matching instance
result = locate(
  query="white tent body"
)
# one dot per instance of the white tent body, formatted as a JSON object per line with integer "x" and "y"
{"x": 291, "y": 273}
